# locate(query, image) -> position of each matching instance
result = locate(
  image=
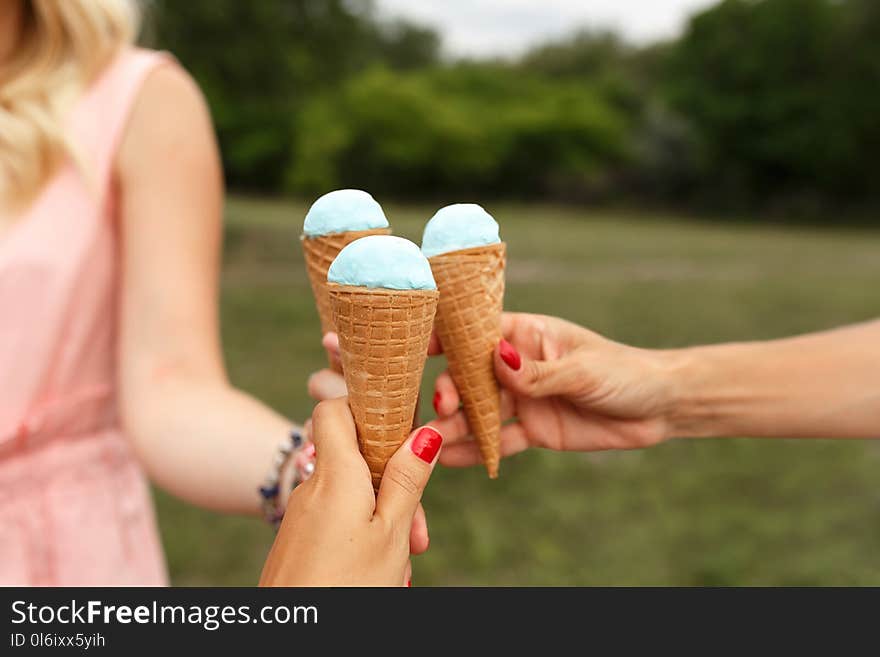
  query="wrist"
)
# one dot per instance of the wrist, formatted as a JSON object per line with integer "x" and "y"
{"x": 293, "y": 463}
{"x": 690, "y": 411}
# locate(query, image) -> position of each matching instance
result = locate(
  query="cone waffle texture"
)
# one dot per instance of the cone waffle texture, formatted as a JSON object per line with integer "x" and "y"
{"x": 471, "y": 284}
{"x": 383, "y": 341}
{"x": 319, "y": 253}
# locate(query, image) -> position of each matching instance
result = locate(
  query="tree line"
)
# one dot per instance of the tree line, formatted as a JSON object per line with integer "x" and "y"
{"x": 760, "y": 103}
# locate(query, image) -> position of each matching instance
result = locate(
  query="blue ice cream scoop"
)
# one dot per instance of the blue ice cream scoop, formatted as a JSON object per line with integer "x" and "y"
{"x": 382, "y": 261}
{"x": 459, "y": 226}
{"x": 343, "y": 210}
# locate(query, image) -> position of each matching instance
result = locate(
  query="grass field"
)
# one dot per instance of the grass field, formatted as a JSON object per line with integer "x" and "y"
{"x": 721, "y": 512}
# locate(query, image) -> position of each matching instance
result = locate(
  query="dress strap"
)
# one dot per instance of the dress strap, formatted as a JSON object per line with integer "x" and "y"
{"x": 99, "y": 119}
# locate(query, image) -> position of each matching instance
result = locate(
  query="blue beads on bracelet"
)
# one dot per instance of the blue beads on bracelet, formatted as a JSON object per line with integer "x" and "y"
{"x": 270, "y": 492}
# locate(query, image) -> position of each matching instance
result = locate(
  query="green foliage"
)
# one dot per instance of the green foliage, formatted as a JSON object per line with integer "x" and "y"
{"x": 469, "y": 128}
{"x": 759, "y": 101}
{"x": 406, "y": 46}
{"x": 602, "y": 60}
{"x": 258, "y": 61}
{"x": 779, "y": 92}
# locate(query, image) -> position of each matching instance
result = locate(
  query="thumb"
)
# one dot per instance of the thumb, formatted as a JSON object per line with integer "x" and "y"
{"x": 406, "y": 476}
{"x": 532, "y": 378}
{"x": 334, "y": 434}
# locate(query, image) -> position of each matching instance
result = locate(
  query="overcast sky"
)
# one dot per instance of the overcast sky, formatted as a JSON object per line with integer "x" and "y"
{"x": 505, "y": 27}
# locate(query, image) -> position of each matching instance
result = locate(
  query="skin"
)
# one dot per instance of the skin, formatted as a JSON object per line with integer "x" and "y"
{"x": 195, "y": 434}
{"x": 173, "y": 381}
{"x": 367, "y": 543}
{"x": 576, "y": 390}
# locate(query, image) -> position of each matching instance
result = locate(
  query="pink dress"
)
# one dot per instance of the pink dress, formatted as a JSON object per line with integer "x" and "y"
{"x": 75, "y": 508}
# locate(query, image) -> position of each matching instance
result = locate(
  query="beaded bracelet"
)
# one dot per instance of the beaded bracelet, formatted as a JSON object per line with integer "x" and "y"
{"x": 270, "y": 491}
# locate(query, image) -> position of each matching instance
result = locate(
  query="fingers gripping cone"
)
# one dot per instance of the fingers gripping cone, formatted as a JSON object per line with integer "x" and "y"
{"x": 383, "y": 300}
{"x": 471, "y": 285}
{"x": 319, "y": 252}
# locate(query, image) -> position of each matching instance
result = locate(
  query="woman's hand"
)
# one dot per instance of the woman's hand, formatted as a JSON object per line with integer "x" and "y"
{"x": 566, "y": 388}
{"x": 335, "y": 531}
{"x": 328, "y": 384}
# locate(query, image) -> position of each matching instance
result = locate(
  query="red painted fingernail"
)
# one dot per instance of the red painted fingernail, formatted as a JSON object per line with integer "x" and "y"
{"x": 426, "y": 444}
{"x": 409, "y": 583}
{"x": 437, "y": 398}
{"x": 509, "y": 355}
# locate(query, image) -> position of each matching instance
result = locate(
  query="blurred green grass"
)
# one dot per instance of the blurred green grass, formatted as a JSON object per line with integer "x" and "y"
{"x": 712, "y": 512}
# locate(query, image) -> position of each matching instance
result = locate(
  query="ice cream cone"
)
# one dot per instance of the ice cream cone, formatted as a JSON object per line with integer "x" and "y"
{"x": 319, "y": 252}
{"x": 383, "y": 340}
{"x": 471, "y": 285}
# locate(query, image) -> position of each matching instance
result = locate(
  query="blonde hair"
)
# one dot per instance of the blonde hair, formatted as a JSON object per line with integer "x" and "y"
{"x": 63, "y": 46}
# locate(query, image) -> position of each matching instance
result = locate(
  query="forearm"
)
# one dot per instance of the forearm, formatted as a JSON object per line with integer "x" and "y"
{"x": 204, "y": 441}
{"x": 822, "y": 385}
{"x": 196, "y": 435}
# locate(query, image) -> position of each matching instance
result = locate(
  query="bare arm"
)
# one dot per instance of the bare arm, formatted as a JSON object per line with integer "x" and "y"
{"x": 197, "y": 436}
{"x": 565, "y": 387}
{"x": 822, "y": 385}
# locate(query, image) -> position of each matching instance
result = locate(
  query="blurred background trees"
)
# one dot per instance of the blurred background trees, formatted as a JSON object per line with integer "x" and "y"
{"x": 761, "y": 104}
{"x": 771, "y": 90}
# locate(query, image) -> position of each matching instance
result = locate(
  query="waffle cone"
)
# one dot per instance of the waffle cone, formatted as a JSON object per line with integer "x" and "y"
{"x": 319, "y": 253}
{"x": 471, "y": 284}
{"x": 383, "y": 340}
